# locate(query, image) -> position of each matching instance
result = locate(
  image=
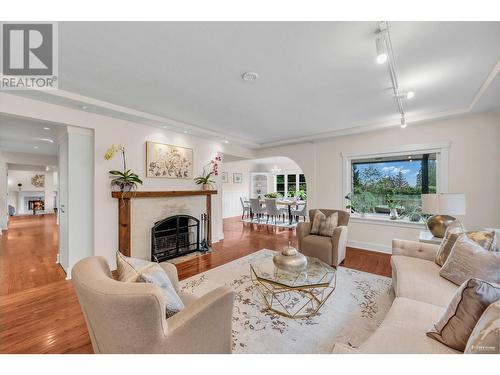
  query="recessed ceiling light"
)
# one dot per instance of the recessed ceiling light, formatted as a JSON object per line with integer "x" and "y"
{"x": 409, "y": 157}
{"x": 35, "y": 146}
{"x": 46, "y": 128}
{"x": 249, "y": 76}
{"x": 185, "y": 131}
{"x": 226, "y": 141}
{"x": 84, "y": 107}
{"x": 164, "y": 126}
{"x": 47, "y": 140}
{"x": 410, "y": 95}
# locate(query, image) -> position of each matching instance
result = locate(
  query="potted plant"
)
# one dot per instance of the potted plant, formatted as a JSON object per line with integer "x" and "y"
{"x": 391, "y": 204}
{"x": 413, "y": 213}
{"x": 209, "y": 170}
{"x": 125, "y": 180}
{"x": 272, "y": 195}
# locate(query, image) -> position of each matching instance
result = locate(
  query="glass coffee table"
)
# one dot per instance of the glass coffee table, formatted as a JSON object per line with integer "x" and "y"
{"x": 293, "y": 294}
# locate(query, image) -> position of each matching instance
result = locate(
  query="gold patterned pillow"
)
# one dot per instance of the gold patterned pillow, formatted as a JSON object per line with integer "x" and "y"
{"x": 485, "y": 338}
{"x": 486, "y": 240}
{"x": 324, "y": 226}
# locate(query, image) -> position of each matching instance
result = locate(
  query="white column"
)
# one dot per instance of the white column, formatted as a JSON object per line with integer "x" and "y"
{"x": 49, "y": 192}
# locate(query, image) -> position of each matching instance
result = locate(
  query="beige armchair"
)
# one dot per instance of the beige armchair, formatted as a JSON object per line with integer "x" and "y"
{"x": 130, "y": 317}
{"x": 330, "y": 250}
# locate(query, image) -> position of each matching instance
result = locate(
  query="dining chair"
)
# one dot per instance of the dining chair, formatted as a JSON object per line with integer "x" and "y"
{"x": 256, "y": 209}
{"x": 245, "y": 208}
{"x": 300, "y": 212}
{"x": 273, "y": 210}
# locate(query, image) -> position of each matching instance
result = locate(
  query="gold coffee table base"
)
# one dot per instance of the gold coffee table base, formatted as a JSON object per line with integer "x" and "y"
{"x": 293, "y": 302}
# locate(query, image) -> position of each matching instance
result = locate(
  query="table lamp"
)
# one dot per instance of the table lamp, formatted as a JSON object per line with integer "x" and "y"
{"x": 442, "y": 206}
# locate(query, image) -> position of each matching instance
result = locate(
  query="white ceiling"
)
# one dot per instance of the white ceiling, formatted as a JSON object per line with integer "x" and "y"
{"x": 316, "y": 78}
{"x": 22, "y": 135}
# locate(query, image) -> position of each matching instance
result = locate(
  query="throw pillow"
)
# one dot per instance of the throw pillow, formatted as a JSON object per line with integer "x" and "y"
{"x": 485, "y": 239}
{"x": 156, "y": 275}
{"x": 485, "y": 338}
{"x": 139, "y": 270}
{"x": 324, "y": 226}
{"x": 464, "y": 311}
{"x": 467, "y": 259}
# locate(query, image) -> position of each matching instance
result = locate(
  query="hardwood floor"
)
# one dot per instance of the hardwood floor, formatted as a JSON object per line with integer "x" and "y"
{"x": 39, "y": 311}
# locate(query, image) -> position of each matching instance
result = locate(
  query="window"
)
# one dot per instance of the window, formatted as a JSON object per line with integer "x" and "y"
{"x": 289, "y": 184}
{"x": 377, "y": 183}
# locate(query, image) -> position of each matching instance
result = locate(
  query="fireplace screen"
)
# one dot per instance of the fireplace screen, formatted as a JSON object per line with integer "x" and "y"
{"x": 174, "y": 236}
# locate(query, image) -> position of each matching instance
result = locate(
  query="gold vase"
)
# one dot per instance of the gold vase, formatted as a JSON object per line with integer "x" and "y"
{"x": 437, "y": 224}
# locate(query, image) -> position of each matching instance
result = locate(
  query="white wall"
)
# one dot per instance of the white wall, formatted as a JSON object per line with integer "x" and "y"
{"x": 474, "y": 169}
{"x": 133, "y": 136}
{"x": 231, "y": 192}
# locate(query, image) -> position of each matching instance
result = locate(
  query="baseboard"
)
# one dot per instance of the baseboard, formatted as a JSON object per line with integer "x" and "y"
{"x": 370, "y": 246}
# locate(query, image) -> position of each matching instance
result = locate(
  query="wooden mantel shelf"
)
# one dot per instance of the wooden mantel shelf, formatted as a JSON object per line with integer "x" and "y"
{"x": 124, "y": 209}
{"x": 160, "y": 194}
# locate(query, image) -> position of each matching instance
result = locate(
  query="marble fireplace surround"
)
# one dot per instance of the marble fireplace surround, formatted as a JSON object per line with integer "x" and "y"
{"x": 138, "y": 211}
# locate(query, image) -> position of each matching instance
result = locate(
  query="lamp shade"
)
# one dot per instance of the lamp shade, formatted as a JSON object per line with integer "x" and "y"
{"x": 443, "y": 204}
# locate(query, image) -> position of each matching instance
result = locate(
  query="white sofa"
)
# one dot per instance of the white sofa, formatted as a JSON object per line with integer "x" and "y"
{"x": 421, "y": 298}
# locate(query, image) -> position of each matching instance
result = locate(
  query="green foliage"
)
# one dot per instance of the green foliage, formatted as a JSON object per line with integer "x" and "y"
{"x": 123, "y": 179}
{"x": 204, "y": 179}
{"x": 362, "y": 202}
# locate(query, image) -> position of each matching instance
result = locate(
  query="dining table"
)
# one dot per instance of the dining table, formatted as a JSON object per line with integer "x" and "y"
{"x": 284, "y": 202}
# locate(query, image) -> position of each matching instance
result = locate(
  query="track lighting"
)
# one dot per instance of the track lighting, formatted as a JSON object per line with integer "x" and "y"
{"x": 403, "y": 121}
{"x": 381, "y": 50}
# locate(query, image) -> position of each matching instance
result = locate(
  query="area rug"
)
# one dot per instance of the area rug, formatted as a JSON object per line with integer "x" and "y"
{"x": 279, "y": 223}
{"x": 351, "y": 314}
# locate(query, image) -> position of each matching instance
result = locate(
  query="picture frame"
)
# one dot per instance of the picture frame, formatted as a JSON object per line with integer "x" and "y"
{"x": 237, "y": 178}
{"x": 224, "y": 177}
{"x": 168, "y": 161}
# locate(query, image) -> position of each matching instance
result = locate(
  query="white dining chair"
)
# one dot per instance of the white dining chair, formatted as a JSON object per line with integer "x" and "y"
{"x": 245, "y": 208}
{"x": 273, "y": 210}
{"x": 256, "y": 209}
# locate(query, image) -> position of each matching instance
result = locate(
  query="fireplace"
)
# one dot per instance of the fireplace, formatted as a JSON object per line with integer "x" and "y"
{"x": 174, "y": 236}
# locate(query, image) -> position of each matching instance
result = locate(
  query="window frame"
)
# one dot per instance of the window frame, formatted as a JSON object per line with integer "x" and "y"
{"x": 441, "y": 150}
{"x": 297, "y": 174}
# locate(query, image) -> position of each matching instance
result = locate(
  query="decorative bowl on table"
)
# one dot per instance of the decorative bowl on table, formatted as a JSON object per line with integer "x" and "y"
{"x": 290, "y": 259}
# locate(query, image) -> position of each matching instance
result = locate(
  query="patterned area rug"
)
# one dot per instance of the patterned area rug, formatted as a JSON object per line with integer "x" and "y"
{"x": 351, "y": 314}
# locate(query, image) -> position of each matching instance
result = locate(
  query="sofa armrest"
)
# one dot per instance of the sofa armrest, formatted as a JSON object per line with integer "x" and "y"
{"x": 414, "y": 249}
{"x": 340, "y": 348}
{"x": 171, "y": 271}
{"x": 303, "y": 230}
{"x": 339, "y": 244}
{"x": 205, "y": 326}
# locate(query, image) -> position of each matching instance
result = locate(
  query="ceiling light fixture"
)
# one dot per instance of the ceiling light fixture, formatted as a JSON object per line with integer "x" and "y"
{"x": 46, "y": 128}
{"x": 164, "y": 126}
{"x": 84, "y": 107}
{"x": 384, "y": 45}
{"x": 249, "y": 76}
{"x": 47, "y": 140}
{"x": 185, "y": 131}
{"x": 226, "y": 141}
{"x": 35, "y": 146}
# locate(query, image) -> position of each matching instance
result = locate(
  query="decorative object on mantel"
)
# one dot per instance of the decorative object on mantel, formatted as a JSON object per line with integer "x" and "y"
{"x": 168, "y": 161}
{"x": 237, "y": 178}
{"x": 126, "y": 180}
{"x": 289, "y": 259}
{"x": 441, "y": 206}
{"x": 38, "y": 181}
{"x": 209, "y": 170}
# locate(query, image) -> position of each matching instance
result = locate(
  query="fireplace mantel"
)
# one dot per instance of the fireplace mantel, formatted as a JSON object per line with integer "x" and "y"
{"x": 124, "y": 210}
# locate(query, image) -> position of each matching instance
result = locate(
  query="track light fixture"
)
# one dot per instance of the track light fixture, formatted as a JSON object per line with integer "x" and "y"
{"x": 381, "y": 50}
{"x": 385, "y": 53}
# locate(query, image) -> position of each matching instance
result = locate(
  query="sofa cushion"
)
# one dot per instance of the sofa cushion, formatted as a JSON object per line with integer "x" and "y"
{"x": 419, "y": 279}
{"x": 404, "y": 330}
{"x": 323, "y": 225}
{"x": 468, "y": 259}
{"x": 462, "y": 314}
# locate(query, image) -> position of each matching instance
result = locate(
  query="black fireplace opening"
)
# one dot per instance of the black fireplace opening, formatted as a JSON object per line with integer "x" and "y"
{"x": 174, "y": 236}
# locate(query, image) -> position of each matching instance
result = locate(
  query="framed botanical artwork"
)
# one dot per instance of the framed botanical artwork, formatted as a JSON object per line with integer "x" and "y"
{"x": 224, "y": 177}
{"x": 237, "y": 178}
{"x": 168, "y": 161}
